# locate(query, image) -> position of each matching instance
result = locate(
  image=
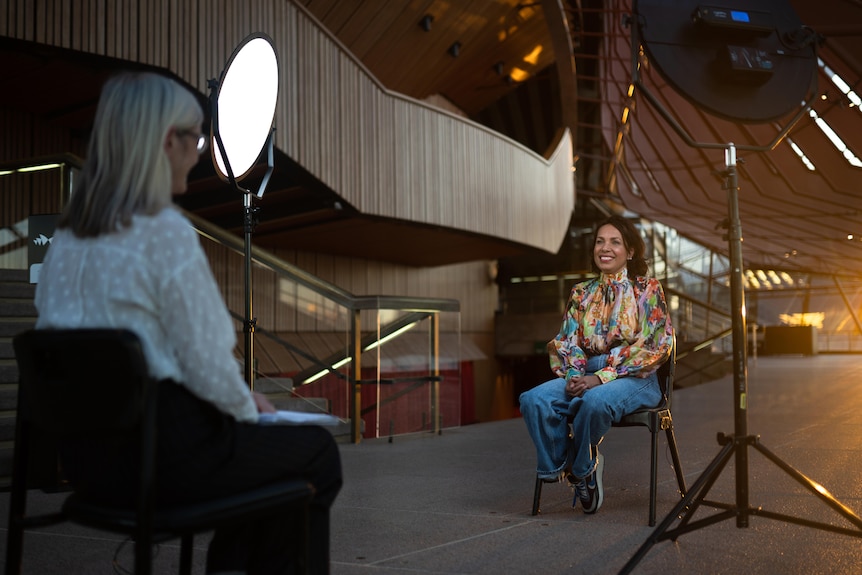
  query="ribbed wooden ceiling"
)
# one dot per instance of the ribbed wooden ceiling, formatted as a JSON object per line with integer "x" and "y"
{"x": 408, "y": 46}
{"x": 792, "y": 218}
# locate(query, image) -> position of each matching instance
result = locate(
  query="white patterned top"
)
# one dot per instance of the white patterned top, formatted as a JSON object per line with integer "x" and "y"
{"x": 154, "y": 279}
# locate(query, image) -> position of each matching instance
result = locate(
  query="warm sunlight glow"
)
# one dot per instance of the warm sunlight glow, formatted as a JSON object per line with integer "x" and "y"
{"x": 799, "y": 319}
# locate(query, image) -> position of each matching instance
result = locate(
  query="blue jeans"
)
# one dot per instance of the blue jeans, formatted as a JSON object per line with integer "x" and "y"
{"x": 546, "y": 407}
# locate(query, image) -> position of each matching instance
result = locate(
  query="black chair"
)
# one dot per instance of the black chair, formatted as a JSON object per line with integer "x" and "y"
{"x": 92, "y": 385}
{"x": 655, "y": 419}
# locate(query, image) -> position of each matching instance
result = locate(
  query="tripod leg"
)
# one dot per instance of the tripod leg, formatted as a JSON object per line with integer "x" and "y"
{"x": 812, "y": 486}
{"x": 691, "y": 501}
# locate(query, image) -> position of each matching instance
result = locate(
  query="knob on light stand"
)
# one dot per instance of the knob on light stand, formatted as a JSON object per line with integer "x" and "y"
{"x": 242, "y": 102}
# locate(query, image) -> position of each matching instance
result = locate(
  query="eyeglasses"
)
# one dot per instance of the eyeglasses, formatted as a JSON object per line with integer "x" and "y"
{"x": 202, "y": 140}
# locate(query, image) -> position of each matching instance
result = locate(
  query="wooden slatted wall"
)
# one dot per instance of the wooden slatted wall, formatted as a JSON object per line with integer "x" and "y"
{"x": 387, "y": 154}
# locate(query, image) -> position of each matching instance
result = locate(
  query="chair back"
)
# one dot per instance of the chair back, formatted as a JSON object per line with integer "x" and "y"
{"x": 81, "y": 383}
{"x": 90, "y": 385}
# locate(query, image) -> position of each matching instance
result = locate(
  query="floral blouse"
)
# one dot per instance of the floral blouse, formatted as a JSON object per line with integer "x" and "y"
{"x": 612, "y": 315}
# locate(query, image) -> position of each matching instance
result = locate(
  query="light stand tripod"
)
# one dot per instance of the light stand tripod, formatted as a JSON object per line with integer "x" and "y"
{"x": 735, "y": 445}
{"x": 249, "y": 220}
{"x": 249, "y": 87}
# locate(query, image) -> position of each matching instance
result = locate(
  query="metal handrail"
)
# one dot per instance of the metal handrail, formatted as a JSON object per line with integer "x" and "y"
{"x": 425, "y": 307}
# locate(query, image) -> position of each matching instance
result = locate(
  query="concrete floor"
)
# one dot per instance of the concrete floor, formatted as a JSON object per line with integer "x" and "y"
{"x": 459, "y": 503}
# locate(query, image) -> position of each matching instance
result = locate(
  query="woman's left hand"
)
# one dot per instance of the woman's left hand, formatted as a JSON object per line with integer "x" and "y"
{"x": 262, "y": 403}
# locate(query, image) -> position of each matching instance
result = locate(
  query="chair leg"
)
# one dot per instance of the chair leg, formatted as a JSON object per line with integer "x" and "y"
{"x": 186, "y": 551}
{"x": 15, "y": 535}
{"x": 537, "y": 495}
{"x": 18, "y": 499}
{"x": 303, "y": 560}
{"x": 677, "y": 466}
{"x": 653, "y": 470}
{"x": 143, "y": 556}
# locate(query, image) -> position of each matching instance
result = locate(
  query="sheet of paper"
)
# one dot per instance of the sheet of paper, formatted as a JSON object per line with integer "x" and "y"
{"x": 283, "y": 417}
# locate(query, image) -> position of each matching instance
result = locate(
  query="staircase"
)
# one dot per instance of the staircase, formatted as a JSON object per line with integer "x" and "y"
{"x": 17, "y": 314}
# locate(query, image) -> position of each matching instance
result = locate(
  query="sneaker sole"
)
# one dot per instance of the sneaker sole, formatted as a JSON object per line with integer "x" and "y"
{"x": 600, "y": 488}
{"x": 600, "y": 468}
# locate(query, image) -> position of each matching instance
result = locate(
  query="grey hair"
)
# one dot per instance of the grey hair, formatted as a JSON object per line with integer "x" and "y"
{"x": 127, "y": 171}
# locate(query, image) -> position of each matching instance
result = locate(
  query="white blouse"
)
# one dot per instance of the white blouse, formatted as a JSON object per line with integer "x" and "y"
{"x": 154, "y": 279}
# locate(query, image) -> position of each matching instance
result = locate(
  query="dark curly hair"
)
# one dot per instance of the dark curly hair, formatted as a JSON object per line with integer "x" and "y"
{"x": 632, "y": 240}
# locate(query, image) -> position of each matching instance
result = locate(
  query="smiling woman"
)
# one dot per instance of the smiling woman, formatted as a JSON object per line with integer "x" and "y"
{"x": 615, "y": 334}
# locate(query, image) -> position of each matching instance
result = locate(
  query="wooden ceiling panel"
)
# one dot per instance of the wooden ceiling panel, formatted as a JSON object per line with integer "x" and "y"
{"x": 386, "y": 35}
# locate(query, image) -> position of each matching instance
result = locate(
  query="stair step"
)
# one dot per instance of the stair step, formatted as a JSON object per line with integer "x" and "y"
{"x": 273, "y": 384}
{"x": 17, "y": 290}
{"x": 304, "y": 404}
{"x": 15, "y": 275}
{"x": 20, "y": 308}
{"x": 10, "y": 327}
{"x": 8, "y": 371}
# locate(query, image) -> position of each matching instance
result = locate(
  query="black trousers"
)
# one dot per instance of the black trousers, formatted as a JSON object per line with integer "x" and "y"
{"x": 203, "y": 454}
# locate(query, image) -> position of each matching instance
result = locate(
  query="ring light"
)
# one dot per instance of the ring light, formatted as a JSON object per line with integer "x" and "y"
{"x": 242, "y": 102}
{"x": 244, "y": 107}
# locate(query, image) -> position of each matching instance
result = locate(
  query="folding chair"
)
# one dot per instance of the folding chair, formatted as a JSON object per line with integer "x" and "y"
{"x": 655, "y": 419}
{"x": 93, "y": 385}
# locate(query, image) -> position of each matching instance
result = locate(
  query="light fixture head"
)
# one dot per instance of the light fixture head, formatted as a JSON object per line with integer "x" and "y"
{"x": 244, "y": 106}
{"x": 733, "y": 60}
{"x": 455, "y": 49}
{"x": 426, "y": 22}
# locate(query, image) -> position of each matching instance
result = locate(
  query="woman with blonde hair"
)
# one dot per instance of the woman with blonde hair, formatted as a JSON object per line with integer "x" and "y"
{"x": 122, "y": 257}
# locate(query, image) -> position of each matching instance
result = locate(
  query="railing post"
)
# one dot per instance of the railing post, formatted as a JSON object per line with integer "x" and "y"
{"x": 356, "y": 391}
{"x": 434, "y": 363}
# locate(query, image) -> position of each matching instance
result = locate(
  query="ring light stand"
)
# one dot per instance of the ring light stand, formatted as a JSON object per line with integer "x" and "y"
{"x": 243, "y": 116}
{"x": 737, "y": 444}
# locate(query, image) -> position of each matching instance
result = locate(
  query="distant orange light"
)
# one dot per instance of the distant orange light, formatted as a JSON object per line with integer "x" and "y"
{"x": 533, "y": 56}
{"x": 519, "y": 75}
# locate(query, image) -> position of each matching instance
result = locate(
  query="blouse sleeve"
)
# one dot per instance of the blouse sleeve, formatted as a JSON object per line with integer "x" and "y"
{"x": 651, "y": 345}
{"x": 202, "y": 335}
{"x": 567, "y": 357}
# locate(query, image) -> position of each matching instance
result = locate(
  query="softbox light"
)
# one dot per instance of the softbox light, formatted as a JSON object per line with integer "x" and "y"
{"x": 750, "y": 61}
